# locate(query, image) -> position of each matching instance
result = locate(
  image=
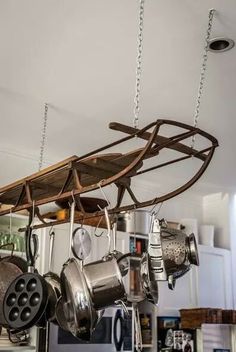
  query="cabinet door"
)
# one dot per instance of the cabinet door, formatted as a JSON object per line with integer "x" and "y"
{"x": 214, "y": 278}
{"x": 183, "y": 296}
{"x": 122, "y": 242}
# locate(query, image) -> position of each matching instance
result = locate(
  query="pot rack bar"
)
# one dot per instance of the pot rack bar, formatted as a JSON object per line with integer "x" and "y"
{"x": 76, "y": 176}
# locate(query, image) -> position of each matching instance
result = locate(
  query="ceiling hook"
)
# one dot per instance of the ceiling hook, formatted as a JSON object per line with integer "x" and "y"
{"x": 104, "y": 195}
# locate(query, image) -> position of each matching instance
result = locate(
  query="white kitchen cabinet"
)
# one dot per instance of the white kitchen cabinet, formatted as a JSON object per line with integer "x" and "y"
{"x": 183, "y": 296}
{"x": 208, "y": 285}
{"x": 214, "y": 278}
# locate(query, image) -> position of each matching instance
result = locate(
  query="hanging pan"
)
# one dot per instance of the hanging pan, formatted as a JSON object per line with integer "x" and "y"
{"x": 53, "y": 281}
{"x": 76, "y": 302}
{"x": 26, "y": 298}
{"x": 8, "y": 273}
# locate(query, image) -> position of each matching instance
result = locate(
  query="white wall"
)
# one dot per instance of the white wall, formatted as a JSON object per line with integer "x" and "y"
{"x": 233, "y": 241}
{"x": 216, "y": 211}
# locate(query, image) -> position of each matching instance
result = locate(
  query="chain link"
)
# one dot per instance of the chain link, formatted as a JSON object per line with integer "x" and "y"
{"x": 139, "y": 65}
{"x": 43, "y": 136}
{"x": 203, "y": 72}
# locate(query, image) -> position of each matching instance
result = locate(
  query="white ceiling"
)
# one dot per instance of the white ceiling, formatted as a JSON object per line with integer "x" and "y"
{"x": 80, "y": 56}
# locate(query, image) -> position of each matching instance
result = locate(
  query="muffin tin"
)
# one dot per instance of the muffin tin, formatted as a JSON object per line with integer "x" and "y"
{"x": 25, "y": 301}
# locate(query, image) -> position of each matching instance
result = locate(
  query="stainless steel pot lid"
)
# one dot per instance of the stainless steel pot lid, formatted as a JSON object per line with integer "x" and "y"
{"x": 81, "y": 243}
{"x": 79, "y": 313}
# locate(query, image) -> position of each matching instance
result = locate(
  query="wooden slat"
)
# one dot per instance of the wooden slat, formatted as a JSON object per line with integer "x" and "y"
{"x": 179, "y": 147}
{"x": 38, "y": 174}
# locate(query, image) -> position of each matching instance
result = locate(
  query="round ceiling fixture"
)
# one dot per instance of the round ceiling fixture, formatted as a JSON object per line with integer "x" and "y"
{"x": 220, "y": 44}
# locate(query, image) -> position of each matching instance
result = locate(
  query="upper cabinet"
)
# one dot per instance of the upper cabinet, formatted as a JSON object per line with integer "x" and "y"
{"x": 183, "y": 296}
{"x": 208, "y": 285}
{"x": 214, "y": 278}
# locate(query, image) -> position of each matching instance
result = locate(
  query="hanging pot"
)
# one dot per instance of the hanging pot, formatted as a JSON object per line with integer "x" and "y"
{"x": 77, "y": 304}
{"x": 105, "y": 282}
{"x": 8, "y": 273}
{"x": 134, "y": 222}
{"x": 103, "y": 277}
{"x": 18, "y": 261}
{"x": 78, "y": 310}
{"x": 10, "y": 267}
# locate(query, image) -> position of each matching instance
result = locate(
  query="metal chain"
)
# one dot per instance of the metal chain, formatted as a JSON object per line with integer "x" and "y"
{"x": 139, "y": 65}
{"x": 203, "y": 72}
{"x": 43, "y": 136}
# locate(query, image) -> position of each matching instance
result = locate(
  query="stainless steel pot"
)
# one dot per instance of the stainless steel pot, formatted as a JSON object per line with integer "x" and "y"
{"x": 105, "y": 282}
{"x": 77, "y": 305}
{"x": 138, "y": 222}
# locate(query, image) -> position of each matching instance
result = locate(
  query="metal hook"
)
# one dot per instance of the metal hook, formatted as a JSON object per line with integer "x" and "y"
{"x": 72, "y": 217}
{"x": 72, "y": 195}
{"x": 108, "y": 223}
{"x": 33, "y": 214}
{"x": 10, "y": 225}
{"x": 104, "y": 194}
{"x": 154, "y": 215}
{"x": 51, "y": 230}
{"x": 95, "y": 231}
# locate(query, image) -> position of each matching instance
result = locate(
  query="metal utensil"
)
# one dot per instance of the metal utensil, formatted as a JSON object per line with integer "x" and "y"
{"x": 105, "y": 282}
{"x": 120, "y": 257}
{"x": 78, "y": 310}
{"x": 171, "y": 253}
{"x": 53, "y": 281}
{"x": 137, "y": 328}
{"x": 134, "y": 222}
{"x": 76, "y": 300}
{"x": 81, "y": 243}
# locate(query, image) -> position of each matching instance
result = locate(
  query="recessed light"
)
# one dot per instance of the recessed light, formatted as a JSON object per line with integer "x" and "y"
{"x": 220, "y": 44}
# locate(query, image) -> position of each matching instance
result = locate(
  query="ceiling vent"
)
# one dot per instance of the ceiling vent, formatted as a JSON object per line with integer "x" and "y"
{"x": 220, "y": 44}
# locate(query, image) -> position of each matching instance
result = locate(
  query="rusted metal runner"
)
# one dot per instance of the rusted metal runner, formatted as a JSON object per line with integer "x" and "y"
{"x": 81, "y": 175}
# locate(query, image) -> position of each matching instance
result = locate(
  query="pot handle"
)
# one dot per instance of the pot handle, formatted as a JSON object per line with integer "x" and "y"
{"x": 137, "y": 327}
{"x": 118, "y": 341}
{"x": 126, "y": 255}
{"x": 72, "y": 217}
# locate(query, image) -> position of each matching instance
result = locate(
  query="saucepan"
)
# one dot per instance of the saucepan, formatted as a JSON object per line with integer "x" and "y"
{"x": 79, "y": 316}
{"x": 104, "y": 277}
{"x": 87, "y": 290}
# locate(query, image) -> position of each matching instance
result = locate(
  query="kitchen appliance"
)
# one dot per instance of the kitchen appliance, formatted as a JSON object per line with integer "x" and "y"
{"x": 113, "y": 333}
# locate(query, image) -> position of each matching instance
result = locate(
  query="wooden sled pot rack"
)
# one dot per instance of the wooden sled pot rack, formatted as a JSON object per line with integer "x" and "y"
{"x": 80, "y": 175}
